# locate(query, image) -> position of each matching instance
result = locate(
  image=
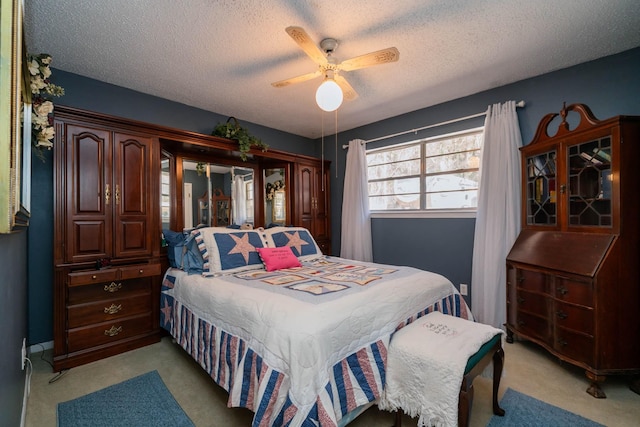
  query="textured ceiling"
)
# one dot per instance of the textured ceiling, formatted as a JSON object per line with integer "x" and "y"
{"x": 222, "y": 55}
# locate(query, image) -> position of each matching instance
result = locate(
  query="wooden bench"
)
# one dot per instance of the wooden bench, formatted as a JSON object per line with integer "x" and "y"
{"x": 490, "y": 351}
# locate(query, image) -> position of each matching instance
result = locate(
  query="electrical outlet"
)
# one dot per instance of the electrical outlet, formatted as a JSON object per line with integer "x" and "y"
{"x": 463, "y": 289}
{"x": 23, "y": 354}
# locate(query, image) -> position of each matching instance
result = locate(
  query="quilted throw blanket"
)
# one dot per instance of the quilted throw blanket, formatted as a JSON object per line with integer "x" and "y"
{"x": 303, "y": 346}
{"x": 428, "y": 387}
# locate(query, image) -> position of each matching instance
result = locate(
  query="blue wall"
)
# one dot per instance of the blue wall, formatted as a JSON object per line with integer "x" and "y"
{"x": 13, "y": 303}
{"x": 610, "y": 86}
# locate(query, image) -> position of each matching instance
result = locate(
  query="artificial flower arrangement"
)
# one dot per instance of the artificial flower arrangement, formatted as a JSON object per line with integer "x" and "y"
{"x": 271, "y": 188}
{"x": 232, "y": 130}
{"x": 42, "y": 91}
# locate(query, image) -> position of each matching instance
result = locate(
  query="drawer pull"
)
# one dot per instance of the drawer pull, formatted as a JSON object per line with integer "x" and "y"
{"x": 94, "y": 277}
{"x": 520, "y": 279}
{"x": 562, "y": 342}
{"x": 520, "y": 322}
{"x": 520, "y": 300}
{"x": 561, "y": 314}
{"x": 141, "y": 271}
{"x": 113, "y": 309}
{"x": 113, "y": 331}
{"x": 113, "y": 287}
{"x": 562, "y": 290}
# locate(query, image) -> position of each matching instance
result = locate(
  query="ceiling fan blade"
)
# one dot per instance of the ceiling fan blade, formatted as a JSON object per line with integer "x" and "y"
{"x": 390, "y": 54}
{"x": 347, "y": 91}
{"x": 301, "y": 37}
{"x": 299, "y": 79}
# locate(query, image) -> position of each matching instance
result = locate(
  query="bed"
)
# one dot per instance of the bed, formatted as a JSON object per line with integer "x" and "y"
{"x": 295, "y": 336}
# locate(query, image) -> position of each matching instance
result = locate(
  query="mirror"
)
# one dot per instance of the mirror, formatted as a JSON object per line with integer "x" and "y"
{"x": 275, "y": 196}
{"x": 165, "y": 192}
{"x": 216, "y": 195}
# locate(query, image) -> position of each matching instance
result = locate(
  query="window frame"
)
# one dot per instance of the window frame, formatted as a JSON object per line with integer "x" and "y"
{"x": 423, "y": 212}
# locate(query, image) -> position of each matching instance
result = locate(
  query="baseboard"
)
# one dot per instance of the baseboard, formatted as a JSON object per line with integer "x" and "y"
{"x": 36, "y": 348}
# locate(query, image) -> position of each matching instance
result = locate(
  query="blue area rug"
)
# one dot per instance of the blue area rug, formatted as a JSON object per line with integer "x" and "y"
{"x": 143, "y": 401}
{"x": 525, "y": 411}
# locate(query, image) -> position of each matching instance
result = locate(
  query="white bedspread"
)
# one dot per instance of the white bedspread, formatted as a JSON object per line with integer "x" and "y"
{"x": 304, "y": 337}
{"x": 428, "y": 387}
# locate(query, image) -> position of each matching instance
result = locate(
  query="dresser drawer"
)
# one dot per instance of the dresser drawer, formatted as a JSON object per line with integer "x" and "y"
{"x": 106, "y": 310}
{"x": 92, "y": 276}
{"x": 143, "y": 270}
{"x": 532, "y": 281}
{"x": 575, "y": 345}
{"x": 574, "y": 317}
{"x": 108, "y": 332}
{"x": 574, "y": 291}
{"x": 533, "y": 326}
{"x": 532, "y": 302}
{"x": 108, "y": 290}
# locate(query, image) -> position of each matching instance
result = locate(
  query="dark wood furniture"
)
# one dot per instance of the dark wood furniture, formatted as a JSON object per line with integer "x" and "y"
{"x": 573, "y": 276}
{"x": 106, "y": 255}
{"x": 108, "y": 260}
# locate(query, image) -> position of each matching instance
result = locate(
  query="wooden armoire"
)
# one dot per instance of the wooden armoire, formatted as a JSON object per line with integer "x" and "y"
{"x": 107, "y": 248}
{"x": 573, "y": 274}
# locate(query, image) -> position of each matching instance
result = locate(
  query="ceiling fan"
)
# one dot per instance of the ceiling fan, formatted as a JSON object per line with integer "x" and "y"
{"x": 328, "y": 66}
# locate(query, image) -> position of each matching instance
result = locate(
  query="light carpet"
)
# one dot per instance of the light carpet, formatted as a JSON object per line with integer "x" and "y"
{"x": 525, "y": 411}
{"x": 142, "y": 401}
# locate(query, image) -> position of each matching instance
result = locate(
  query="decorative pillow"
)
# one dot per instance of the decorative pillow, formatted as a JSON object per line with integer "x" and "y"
{"x": 182, "y": 251}
{"x": 226, "y": 250}
{"x": 278, "y": 258}
{"x": 297, "y": 238}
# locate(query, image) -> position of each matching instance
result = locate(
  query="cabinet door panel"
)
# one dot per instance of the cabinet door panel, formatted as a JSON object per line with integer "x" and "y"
{"x": 134, "y": 189}
{"x": 89, "y": 193}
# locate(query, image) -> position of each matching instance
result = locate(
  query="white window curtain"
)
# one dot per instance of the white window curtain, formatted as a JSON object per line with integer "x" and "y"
{"x": 356, "y": 221}
{"x": 239, "y": 201}
{"x": 498, "y": 215}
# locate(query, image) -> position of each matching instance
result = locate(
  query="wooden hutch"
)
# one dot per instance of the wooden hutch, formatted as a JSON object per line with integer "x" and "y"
{"x": 573, "y": 274}
{"x": 108, "y": 257}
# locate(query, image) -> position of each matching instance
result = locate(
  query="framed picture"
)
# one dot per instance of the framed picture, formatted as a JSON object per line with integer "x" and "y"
{"x": 12, "y": 214}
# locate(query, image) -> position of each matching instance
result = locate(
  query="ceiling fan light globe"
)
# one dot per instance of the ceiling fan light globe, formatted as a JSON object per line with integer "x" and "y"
{"x": 329, "y": 95}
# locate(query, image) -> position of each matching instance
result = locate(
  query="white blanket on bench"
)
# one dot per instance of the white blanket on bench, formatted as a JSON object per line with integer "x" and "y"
{"x": 425, "y": 366}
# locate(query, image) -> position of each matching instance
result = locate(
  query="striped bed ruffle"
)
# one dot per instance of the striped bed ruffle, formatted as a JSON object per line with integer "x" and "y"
{"x": 354, "y": 381}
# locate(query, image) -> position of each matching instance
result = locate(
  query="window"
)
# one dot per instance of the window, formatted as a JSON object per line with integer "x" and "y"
{"x": 439, "y": 173}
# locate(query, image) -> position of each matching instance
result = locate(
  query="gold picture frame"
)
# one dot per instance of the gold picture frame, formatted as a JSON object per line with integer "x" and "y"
{"x": 13, "y": 215}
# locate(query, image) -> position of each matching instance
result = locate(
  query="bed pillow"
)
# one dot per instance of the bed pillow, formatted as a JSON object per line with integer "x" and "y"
{"x": 298, "y": 239}
{"x": 175, "y": 247}
{"x": 278, "y": 258}
{"x": 226, "y": 250}
{"x": 182, "y": 251}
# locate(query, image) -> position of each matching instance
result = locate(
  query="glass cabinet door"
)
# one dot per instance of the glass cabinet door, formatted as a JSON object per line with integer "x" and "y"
{"x": 589, "y": 178}
{"x": 541, "y": 189}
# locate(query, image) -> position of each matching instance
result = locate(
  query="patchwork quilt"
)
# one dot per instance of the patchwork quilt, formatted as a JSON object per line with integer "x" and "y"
{"x": 301, "y": 346}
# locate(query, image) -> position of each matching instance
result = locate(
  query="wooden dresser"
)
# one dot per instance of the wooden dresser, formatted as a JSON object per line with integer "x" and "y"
{"x": 107, "y": 248}
{"x": 573, "y": 274}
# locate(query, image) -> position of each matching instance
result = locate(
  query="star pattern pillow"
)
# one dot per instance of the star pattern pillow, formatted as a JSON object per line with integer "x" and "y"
{"x": 227, "y": 250}
{"x": 298, "y": 239}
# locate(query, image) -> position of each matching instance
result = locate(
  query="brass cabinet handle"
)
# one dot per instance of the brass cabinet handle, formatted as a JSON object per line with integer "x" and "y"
{"x": 107, "y": 194}
{"x": 561, "y": 314}
{"x": 562, "y": 290}
{"x": 113, "y": 331}
{"x": 113, "y": 287}
{"x": 562, "y": 342}
{"x": 141, "y": 271}
{"x": 94, "y": 277}
{"x": 113, "y": 309}
{"x": 117, "y": 194}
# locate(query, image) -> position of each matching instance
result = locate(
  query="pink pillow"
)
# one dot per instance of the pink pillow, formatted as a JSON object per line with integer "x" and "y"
{"x": 278, "y": 258}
